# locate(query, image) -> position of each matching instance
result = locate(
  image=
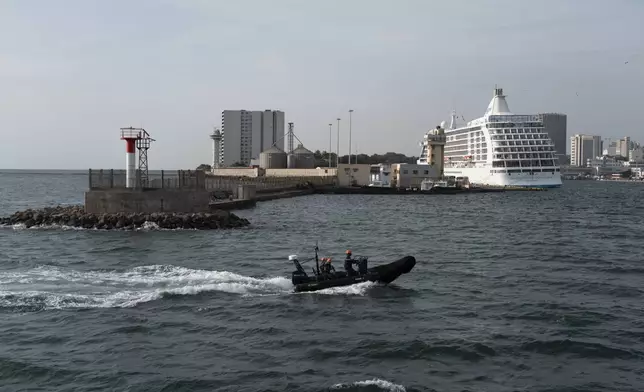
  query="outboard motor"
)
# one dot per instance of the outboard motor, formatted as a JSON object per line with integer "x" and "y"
{"x": 362, "y": 265}
{"x": 298, "y": 276}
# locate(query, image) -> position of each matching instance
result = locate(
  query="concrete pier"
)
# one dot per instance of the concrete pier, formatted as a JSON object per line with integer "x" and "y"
{"x": 185, "y": 192}
{"x": 146, "y": 201}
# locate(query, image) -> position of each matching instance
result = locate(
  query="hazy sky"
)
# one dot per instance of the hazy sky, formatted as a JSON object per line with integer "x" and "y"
{"x": 72, "y": 72}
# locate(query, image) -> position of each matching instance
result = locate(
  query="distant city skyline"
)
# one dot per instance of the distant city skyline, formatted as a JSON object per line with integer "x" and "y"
{"x": 75, "y": 71}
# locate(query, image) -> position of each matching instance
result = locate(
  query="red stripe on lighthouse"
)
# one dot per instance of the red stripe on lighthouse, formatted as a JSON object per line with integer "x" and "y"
{"x": 129, "y": 146}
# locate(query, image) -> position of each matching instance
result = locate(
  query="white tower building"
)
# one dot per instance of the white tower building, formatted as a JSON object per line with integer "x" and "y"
{"x": 216, "y": 148}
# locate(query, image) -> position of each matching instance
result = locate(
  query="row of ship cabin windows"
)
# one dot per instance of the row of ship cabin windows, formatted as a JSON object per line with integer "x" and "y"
{"x": 531, "y": 163}
{"x": 465, "y": 147}
{"x": 464, "y": 150}
{"x": 459, "y": 150}
{"x": 466, "y": 131}
{"x": 531, "y": 136}
{"x": 524, "y": 143}
{"x": 522, "y": 156}
{"x": 464, "y": 137}
{"x": 524, "y": 149}
{"x": 497, "y": 129}
{"x": 527, "y": 125}
{"x": 461, "y": 158}
{"x": 531, "y": 171}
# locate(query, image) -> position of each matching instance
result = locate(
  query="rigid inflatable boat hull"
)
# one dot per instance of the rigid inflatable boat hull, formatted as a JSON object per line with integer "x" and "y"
{"x": 385, "y": 273}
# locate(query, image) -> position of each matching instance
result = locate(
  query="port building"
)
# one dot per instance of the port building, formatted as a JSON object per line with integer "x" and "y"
{"x": 245, "y": 134}
{"x": 583, "y": 148}
{"x": 555, "y": 125}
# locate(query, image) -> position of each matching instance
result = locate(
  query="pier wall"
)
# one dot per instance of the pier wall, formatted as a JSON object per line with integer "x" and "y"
{"x": 196, "y": 180}
{"x": 259, "y": 172}
{"x": 238, "y": 172}
{"x": 112, "y": 201}
{"x": 265, "y": 184}
{"x": 321, "y": 172}
{"x": 186, "y": 191}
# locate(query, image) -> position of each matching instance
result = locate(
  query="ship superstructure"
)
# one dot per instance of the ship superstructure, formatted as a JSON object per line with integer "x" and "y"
{"x": 500, "y": 149}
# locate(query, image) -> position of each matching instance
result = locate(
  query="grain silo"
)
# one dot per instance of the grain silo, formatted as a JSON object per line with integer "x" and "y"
{"x": 304, "y": 158}
{"x": 272, "y": 158}
{"x": 290, "y": 161}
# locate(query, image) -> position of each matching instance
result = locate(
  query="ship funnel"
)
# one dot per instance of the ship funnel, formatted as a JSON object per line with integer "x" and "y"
{"x": 498, "y": 104}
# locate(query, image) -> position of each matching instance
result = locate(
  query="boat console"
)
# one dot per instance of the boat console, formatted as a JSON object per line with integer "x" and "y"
{"x": 299, "y": 275}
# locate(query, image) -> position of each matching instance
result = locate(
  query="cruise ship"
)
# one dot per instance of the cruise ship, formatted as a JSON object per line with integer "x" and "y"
{"x": 499, "y": 149}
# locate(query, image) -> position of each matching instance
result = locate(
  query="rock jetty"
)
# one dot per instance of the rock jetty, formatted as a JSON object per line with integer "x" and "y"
{"x": 75, "y": 216}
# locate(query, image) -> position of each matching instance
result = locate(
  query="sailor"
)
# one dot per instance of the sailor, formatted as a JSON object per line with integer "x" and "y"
{"x": 348, "y": 264}
{"x": 326, "y": 265}
{"x": 323, "y": 265}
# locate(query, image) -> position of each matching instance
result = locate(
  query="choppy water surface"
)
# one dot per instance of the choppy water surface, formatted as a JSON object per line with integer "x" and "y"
{"x": 512, "y": 292}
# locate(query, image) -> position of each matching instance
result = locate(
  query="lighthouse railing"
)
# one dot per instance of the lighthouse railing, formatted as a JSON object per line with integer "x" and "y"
{"x": 156, "y": 179}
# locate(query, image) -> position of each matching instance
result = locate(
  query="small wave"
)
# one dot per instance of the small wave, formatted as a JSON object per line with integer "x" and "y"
{"x": 372, "y": 384}
{"x": 420, "y": 350}
{"x": 16, "y": 370}
{"x": 582, "y": 349}
{"x": 622, "y": 270}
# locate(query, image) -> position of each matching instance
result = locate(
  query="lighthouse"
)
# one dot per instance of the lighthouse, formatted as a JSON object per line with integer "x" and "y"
{"x": 130, "y": 135}
{"x": 136, "y": 138}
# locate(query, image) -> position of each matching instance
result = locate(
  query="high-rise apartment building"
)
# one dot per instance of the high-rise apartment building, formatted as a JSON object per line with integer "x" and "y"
{"x": 583, "y": 148}
{"x": 624, "y": 146}
{"x": 555, "y": 125}
{"x": 247, "y": 133}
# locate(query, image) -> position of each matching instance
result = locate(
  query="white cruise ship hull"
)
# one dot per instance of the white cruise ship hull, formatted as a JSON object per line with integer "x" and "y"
{"x": 486, "y": 176}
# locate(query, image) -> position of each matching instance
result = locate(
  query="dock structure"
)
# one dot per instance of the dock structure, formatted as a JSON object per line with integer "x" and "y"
{"x": 184, "y": 191}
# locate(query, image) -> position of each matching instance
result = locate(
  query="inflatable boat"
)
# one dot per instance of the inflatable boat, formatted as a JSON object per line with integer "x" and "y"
{"x": 325, "y": 276}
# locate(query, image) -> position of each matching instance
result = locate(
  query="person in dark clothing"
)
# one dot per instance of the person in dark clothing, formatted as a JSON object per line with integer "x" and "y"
{"x": 324, "y": 268}
{"x": 348, "y": 264}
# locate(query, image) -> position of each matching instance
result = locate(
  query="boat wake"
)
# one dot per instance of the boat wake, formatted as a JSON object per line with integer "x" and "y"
{"x": 147, "y": 226}
{"x": 48, "y": 287}
{"x": 354, "y": 289}
{"x": 371, "y": 385}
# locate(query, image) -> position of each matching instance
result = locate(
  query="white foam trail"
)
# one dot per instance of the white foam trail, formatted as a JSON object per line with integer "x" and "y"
{"x": 146, "y": 226}
{"x": 22, "y": 226}
{"x": 354, "y": 289}
{"x": 381, "y": 384}
{"x": 55, "y": 288}
{"x": 48, "y": 287}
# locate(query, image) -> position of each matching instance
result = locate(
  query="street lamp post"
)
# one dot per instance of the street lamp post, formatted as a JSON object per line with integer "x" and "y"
{"x": 330, "y": 125}
{"x": 337, "y": 157}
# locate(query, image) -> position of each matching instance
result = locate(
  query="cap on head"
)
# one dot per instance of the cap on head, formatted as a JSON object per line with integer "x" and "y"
{"x": 292, "y": 257}
{"x": 348, "y": 251}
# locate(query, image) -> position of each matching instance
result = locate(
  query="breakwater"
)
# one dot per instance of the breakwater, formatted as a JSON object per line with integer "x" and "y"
{"x": 76, "y": 216}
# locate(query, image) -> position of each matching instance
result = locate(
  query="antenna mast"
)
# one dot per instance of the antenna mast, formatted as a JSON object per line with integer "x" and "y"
{"x": 289, "y": 138}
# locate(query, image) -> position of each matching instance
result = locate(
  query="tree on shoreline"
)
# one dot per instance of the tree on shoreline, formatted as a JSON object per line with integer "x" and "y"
{"x": 322, "y": 159}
